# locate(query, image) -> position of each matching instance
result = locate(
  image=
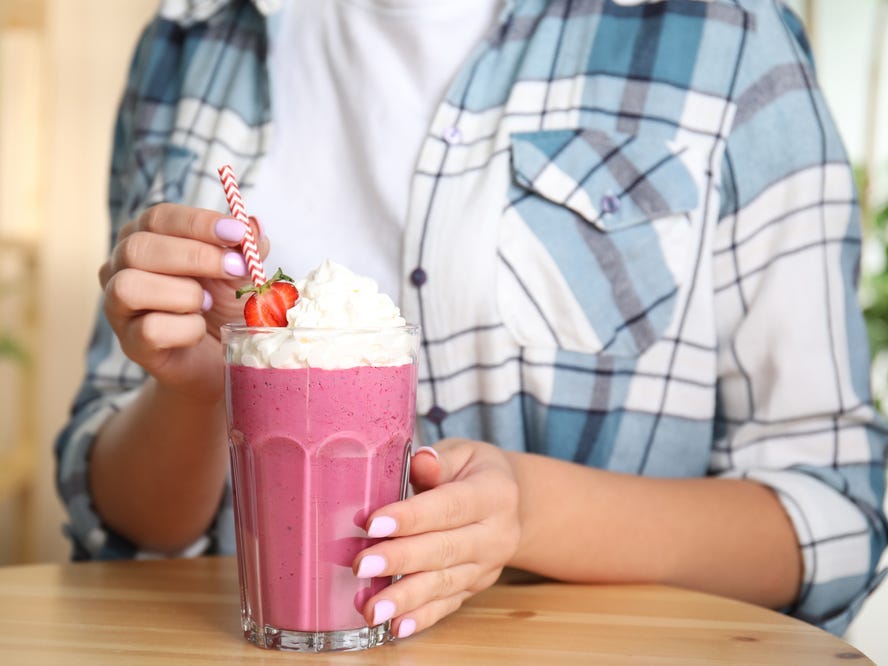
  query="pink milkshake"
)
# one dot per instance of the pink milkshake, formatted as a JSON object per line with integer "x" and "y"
{"x": 313, "y": 453}
{"x": 320, "y": 428}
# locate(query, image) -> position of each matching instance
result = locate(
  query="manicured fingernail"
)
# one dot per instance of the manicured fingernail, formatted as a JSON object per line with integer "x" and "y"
{"x": 207, "y": 301}
{"x": 383, "y": 610}
{"x": 427, "y": 449}
{"x": 371, "y": 566}
{"x": 230, "y": 230}
{"x": 406, "y": 628}
{"x": 259, "y": 224}
{"x": 234, "y": 264}
{"x": 381, "y": 526}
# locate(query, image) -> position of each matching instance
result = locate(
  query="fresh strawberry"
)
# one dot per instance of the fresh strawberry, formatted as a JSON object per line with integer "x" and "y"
{"x": 270, "y": 301}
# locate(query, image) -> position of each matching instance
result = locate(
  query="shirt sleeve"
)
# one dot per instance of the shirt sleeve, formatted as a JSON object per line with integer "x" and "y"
{"x": 794, "y": 405}
{"x": 112, "y": 380}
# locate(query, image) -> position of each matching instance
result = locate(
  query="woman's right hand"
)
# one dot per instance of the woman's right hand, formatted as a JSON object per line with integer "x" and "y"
{"x": 169, "y": 285}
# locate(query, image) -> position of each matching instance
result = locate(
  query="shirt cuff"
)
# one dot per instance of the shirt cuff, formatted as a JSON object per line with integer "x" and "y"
{"x": 839, "y": 546}
{"x": 92, "y": 539}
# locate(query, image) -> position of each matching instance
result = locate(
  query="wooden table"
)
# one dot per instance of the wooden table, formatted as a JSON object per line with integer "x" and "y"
{"x": 187, "y": 611}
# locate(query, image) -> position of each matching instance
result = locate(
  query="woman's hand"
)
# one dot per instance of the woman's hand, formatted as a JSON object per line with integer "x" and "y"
{"x": 450, "y": 541}
{"x": 169, "y": 285}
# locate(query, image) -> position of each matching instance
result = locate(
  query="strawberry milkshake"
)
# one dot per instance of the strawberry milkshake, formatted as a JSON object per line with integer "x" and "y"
{"x": 321, "y": 417}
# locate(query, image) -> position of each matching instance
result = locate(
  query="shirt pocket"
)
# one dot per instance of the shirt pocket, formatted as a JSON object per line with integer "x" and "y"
{"x": 594, "y": 241}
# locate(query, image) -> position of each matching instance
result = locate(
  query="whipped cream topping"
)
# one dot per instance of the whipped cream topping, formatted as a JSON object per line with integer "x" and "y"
{"x": 340, "y": 320}
{"x": 331, "y": 296}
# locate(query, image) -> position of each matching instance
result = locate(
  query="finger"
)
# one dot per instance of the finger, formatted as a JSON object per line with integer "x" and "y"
{"x": 159, "y": 331}
{"x": 451, "y": 455}
{"x": 259, "y": 235}
{"x": 105, "y": 273}
{"x": 428, "y": 468}
{"x": 447, "y": 506}
{"x": 209, "y": 226}
{"x": 169, "y": 255}
{"x": 416, "y": 590}
{"x": 425, "y": 469}
{"x": 132, "y": 291}
{"x": 257, "y": 227}
{"x": 426, "y": 616}
{"x": 422, "y": 552}
{"x": 264, "y": 247}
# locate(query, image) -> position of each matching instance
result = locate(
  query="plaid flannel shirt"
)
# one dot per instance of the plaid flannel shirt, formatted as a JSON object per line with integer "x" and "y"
{"x": 632, "y": 242}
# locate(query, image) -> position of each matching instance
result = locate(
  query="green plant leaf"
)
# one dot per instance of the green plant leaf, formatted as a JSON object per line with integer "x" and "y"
{"x": 11, "y": 348}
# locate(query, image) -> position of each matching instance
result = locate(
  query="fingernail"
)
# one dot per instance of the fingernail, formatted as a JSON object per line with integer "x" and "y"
{"x": 230, "y": 230}
{"x": 427, "y": 449}
{"x": 234, "y": 264}
{"x": 259, "y": 224}
{"x": 383, "y": 610}
{"x": 207, "y": 301}
{"x": 381, "y": 526}
{"x": 406, "y": 628}
{"x": 371, "y": 566}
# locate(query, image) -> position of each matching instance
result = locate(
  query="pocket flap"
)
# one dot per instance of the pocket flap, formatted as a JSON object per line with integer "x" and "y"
{"x": 613, "y": 180}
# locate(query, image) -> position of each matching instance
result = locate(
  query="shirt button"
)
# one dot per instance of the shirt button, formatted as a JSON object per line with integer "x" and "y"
{"x": 436, "y": 415}
{"x": 609, "y": 204}
{"x": 453, "y": 135}
{"x": 418, "y": 277}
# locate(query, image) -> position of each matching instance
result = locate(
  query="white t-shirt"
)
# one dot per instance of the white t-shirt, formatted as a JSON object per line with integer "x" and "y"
{"x": 354, "y": 85}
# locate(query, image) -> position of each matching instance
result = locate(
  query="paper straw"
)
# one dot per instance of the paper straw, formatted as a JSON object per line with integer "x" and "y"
{"x": 236, "y": 204}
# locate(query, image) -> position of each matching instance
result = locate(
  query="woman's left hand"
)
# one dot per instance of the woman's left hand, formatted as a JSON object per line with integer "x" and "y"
{"x": 449, "y": 541}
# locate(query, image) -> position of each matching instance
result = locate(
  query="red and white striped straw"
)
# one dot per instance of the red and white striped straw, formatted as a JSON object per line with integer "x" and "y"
{"x": 236, "y": 204}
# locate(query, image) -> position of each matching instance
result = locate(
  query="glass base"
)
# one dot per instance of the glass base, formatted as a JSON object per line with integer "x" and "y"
{"x": 345, "y": 640}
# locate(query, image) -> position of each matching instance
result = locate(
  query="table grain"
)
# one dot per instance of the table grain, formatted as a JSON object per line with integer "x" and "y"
{"x": 186, "y": 611}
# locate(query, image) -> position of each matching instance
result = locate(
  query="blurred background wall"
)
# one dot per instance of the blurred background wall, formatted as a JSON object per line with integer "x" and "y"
{"x": 62, "y": 68}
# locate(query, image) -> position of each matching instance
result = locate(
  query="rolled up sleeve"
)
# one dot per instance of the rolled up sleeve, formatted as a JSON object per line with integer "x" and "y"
{"x": 110, "y": 383}
{"x": 794, "y": 405}
{"x": 112, "y": 380}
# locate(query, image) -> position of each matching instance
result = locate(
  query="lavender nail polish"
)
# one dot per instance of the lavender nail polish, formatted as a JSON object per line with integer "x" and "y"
{"x": 381, "y": 526}
{"x": 371, "y": 566}
{"x": 427, "y": 449}
{"x": 207, "y": 301}
{"x": 233, "y": 263}
{"x": 406, "y": 628}
{"x": 383, "y": 610}
{"x": 230, "y": 230}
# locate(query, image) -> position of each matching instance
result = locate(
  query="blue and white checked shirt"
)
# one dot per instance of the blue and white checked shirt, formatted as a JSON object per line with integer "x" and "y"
{"x": 632, "y": 242}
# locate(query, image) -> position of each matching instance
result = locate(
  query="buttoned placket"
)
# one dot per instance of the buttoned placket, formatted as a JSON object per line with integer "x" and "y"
{"x": 418, "y": 275}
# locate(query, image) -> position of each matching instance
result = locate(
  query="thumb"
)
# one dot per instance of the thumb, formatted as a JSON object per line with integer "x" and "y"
{"x": 425, "y": 469}
{"x": 431, "y": 467}
{"x": 259, "y": 235}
